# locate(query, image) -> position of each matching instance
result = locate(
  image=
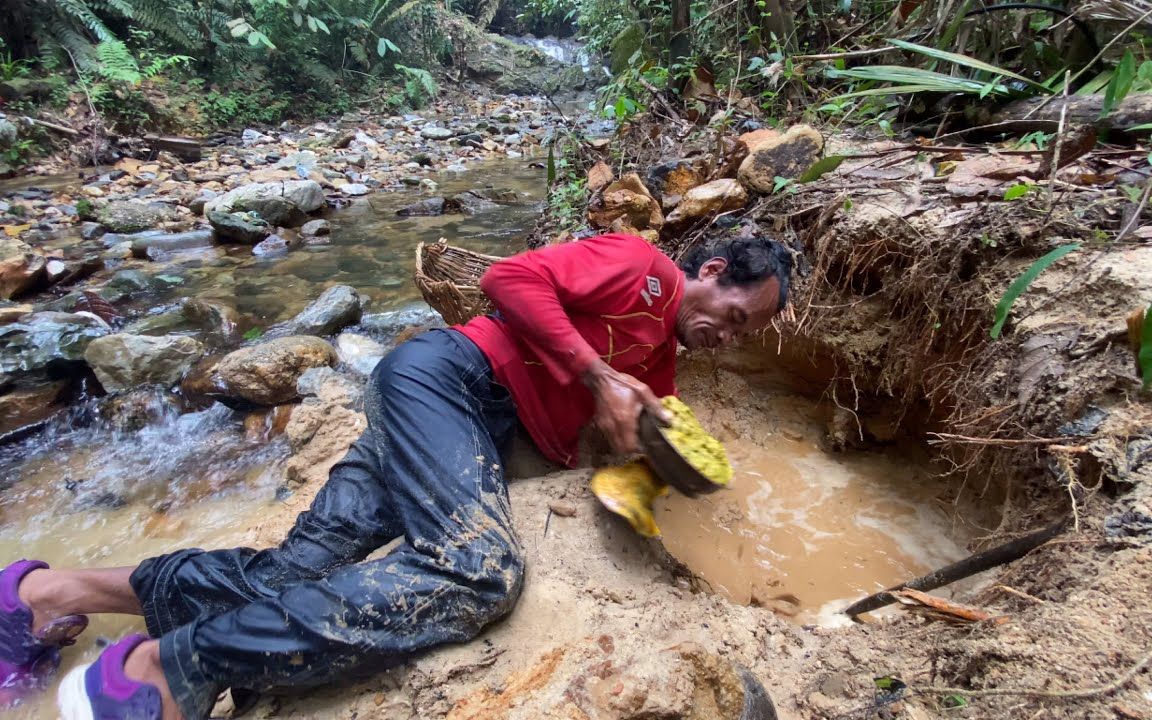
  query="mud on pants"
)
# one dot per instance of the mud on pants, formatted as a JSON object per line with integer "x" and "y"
{"x": 428, "y": 469}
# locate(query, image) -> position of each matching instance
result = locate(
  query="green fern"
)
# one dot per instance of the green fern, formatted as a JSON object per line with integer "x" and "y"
{"x": 117, "y": 63}
{"x": 419, "y": 85}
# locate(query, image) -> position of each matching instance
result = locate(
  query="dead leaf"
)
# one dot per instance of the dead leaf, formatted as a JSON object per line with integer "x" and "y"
{"x": 989, "y": 174}
{"x": 599, "y": 176}
{"x": 14, "y": 230}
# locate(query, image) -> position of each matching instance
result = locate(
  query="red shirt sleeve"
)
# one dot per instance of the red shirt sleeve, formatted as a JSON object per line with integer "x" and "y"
{"x": 535, "y": 291}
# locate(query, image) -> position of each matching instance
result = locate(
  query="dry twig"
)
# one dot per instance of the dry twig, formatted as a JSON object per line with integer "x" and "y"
{"x": 1108, "y": 689}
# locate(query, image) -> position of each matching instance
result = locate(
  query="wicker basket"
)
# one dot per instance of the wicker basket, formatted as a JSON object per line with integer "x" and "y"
{"x": 449, "y": 280}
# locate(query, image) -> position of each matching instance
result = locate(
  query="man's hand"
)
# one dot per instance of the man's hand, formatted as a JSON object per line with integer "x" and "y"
{"x": 620, "y": 399}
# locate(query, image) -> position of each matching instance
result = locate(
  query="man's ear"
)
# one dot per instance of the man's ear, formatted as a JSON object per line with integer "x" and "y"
{"x": 712, "y": 268}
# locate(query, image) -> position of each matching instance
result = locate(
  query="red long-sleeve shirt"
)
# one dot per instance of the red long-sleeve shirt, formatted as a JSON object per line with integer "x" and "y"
{"x": 612, "y": 296}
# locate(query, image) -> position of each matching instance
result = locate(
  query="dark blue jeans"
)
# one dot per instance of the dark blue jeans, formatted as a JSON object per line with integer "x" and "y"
{"x": 308, "y": 612}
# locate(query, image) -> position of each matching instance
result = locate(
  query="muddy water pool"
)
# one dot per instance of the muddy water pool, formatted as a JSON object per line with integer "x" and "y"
{"x": 805, "y": 531}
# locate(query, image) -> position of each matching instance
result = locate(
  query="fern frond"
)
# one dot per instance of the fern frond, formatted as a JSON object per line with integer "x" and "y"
{"x": 78, "y": 12}
{"x": 117, "y": 63}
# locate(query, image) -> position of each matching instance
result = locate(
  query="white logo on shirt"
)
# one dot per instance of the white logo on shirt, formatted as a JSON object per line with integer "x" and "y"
{"x": 654, "y": 287}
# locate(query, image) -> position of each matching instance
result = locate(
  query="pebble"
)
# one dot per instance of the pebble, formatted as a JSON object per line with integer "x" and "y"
{"x": 93, "y": 191}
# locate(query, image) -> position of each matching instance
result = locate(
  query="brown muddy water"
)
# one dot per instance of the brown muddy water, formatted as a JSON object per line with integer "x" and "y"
{"x": 801, "y": 530}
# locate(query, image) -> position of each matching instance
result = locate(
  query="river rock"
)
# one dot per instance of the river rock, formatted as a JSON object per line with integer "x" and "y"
{"x": 130, "y": 216}
{"x": 43, "y": 343}
{"x": 626, "y": 199}
{"x": 711, "y": 198}
{"x": 8, "y": 134}
{"x": 673, "y": 178}
{"x": 335, "y": 309}
{"x": 429, "y": 207}
{"x": 472, "y": 203}
{"x": 21, "y": 407}
{"x": 21, "y": 268}
{"x": 123, "y": 361}
{"x": 251, "y": 137}
{"x": 92, "y": 231}
{"x": 359, "y": 352}
{"x": 787, "y": 156}
{"x": 355, "y": 189}
{"x": 314, "y": 228}
{"x": 214, "y": 318}
{"x": 386, "y": 326}
{"x": 150, "y": 245}
{"x": 436, "y": 133}
{"x": 283, "y": 204}
{"x": 271, "y": 245}
{"x": 266, "y": 374}
{"x": 246, "y": 228}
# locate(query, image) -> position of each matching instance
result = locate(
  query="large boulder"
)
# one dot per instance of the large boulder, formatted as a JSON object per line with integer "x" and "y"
{"x": 21, "y": 268}
{"x": 129, "y": 216}
{"x": 266, "y": 374}
{"x": 123, "y": 361}
{"x": 786, "y": 156}
{"x": 711, "y": 198}
{"x": 337, "y": 308}
{"x": 46, "y": 344}
{"x": 283, "y": 204}
{"x": 244, "y": 228}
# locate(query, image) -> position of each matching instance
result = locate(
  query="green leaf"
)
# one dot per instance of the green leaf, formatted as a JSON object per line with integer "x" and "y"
{"x": 780, "y": 183}
{"x": 1121, "y": 83}
{"x": 551, "y": 165}
{"x": 954, "y": 701}
{"x": 323, "y": 26}
{"x": 1145, "y": 354}
{"x": 964, "y": 61}
{"x": 253, "y": 334}
{"x": 1144, "y": 73}
{"x": 1144, "y": 126}
{"x": 382, "y": 47}
{"x": 913, "y": 80}
{"x": 170, "y": 279}
{"x": 1020, "y": 284}
{"x": 820, "y": 168}
{"x": 1017, "y": 191}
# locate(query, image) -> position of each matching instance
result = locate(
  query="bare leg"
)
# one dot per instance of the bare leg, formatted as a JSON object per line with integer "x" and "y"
{"x": 143, "y": 665}
{"x": 56, "y": 593}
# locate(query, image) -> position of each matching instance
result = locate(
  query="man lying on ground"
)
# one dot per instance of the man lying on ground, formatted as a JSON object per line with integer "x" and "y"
{"x": 584, "y": 331}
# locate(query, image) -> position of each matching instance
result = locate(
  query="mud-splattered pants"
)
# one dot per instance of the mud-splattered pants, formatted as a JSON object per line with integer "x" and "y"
{"x": 428, "y": 468}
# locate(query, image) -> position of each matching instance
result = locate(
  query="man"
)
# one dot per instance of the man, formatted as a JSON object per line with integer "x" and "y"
{"x": 584, "y": 330}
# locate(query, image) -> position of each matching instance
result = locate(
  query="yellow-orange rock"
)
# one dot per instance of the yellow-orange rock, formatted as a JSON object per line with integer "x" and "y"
{"x": 599, "y": 176}
{"x": 710, "y": 199}
{"x": 787, "y": 156}
{"x": 629, "y": 199}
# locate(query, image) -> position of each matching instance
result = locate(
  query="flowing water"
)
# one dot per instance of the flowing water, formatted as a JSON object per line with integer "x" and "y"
{"x": 97, "y": 489}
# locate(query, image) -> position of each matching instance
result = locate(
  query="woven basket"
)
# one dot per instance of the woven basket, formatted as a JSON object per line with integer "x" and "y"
{"x": 449, "y": 280}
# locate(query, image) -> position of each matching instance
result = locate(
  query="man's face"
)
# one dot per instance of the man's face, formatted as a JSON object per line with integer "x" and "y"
{"x": 712, "y": 315}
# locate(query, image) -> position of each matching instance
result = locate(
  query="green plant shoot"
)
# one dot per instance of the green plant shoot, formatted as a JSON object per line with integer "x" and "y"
{"x": 1021, "y": 284}
{"x": 1145, "y": 355}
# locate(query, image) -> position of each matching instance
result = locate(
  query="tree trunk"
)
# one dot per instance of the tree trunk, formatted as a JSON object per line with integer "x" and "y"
{"x": 1134, "y": 110}
{"x": 680, "y": 42}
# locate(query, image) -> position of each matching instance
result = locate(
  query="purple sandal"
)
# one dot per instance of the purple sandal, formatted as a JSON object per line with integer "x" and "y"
{"x": 101, "y": 691}
{"x": 28, "y": 659}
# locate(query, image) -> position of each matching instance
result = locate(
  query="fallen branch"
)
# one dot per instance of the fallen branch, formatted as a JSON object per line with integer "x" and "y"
{"x": 933, "y": 606}
{"x": 1108, "y": 689}
{"x": 967, "y": 567}
{"x": 53, "y": 126}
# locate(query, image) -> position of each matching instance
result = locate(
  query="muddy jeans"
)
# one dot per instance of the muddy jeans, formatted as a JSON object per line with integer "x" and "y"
{"x": 305, "y": 613}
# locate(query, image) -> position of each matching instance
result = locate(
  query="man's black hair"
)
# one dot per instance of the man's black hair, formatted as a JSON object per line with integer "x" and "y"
{"x": 750, "y": 261}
